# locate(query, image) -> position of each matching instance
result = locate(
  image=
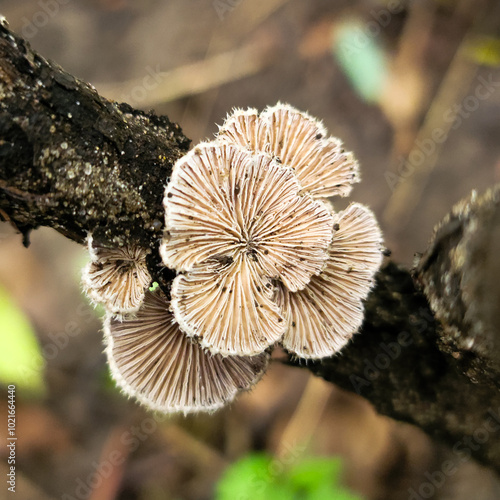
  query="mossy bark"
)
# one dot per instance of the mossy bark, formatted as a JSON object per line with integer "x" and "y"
{"x": 76, "y": 162}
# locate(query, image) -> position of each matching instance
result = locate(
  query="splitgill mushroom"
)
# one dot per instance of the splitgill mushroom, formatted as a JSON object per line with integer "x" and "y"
{"x": 300, "y": 141}
{"x": 234, "y": 221}
{"x": 323, "y": 317}
{"x": 261, "y": 260}
{"x": 232, "y": 308}
{"x": 116, "y": 277}
{"x": 152, "y": 360}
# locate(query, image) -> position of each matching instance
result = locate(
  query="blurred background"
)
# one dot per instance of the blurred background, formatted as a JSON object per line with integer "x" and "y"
{"x": 412, "y": 87}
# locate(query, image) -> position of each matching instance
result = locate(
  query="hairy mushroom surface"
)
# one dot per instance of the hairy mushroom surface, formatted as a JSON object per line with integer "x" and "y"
{"x": 231, "y": 309}
{"x": 152, "y": 360}
{"x": 116, "y": 277}
{"x": 300, "y": 141}
{"x": 245, "y": 128}
{"x": 324, "y": 316}
{"x": 235, "y": 220}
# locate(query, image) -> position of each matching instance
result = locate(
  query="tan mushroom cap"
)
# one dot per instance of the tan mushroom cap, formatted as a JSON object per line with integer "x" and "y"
{"x": 245, "y": 128}
{"x": 229, "y": 308}
{"x": 152, "y": 360}
{"x": 300, "y": 141}
{"x": 116, "y": 277}
{"x": 222, "y": 202}
{"x": 324, "y": 316}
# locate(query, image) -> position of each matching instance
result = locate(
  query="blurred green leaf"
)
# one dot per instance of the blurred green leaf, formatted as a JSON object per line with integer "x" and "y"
{"x": 21, "y": 361}
{"x": 318, "y": 478}
{"x": 361, "y": 58}
{"x": 311, "y": 472}
{"x": 259, "y": 477}
{"x": 251, "y": 478}
{"x": 154, "y": 286}
{"x": 484, "y": 50}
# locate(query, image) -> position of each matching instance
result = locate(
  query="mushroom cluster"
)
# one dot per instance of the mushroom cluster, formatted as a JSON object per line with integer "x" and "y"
{"x": 261, "y": 258}
{"x": 150, "y": 357}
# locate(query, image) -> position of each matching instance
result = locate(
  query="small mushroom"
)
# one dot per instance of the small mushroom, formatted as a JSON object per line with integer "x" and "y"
{"x": 233, "y": 221}
{"x": 116, "y": 277}
{"x": 300, "y": 141}
{"x": 152, "y": 360}
{"x": 324, "y": 316}
{"x": 231, "y": 309}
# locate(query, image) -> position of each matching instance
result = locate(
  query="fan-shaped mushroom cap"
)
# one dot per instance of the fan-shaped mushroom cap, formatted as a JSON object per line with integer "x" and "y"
{"x": 116, "y": 277}
{"x": 222, "y": 202}
{"x": 234, "y": 220}
{"x": 300, "y": 141}
{"x": 323, "y": 317}
{"x": 152, "y": 360}
{"x": 229, "y": 308}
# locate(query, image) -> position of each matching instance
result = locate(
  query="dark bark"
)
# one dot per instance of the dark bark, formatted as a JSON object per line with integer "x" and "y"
{"x": 78, "y": 163}
{"x": 460, "y": 275}
{"x": 399, "y": 362}
{"x": 75, "y": 161}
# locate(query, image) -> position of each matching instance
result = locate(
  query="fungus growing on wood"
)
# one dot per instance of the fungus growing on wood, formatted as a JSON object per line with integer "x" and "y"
{"x": 152, "y": 360}
{"x": 260, "y": 261}
{"x": 116, "y": 277}
{"x": 300, "y": 141}
{"x": 234, "y": 220}
{"x": 324, "y": 316}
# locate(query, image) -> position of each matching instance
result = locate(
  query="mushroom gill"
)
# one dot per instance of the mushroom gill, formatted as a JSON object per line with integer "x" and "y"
{"x": 235, "y": 220}
{"x": 324, "y": 316}
{"x": 152, "y": 360}
{"x": 300, "y": 141}
{"x": 116, "y": 277}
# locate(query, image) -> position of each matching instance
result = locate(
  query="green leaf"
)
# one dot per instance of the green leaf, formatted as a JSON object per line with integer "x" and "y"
{"x": 21, "y": 361}
{"x": 361, "y": 58}
{"x": 311, "y": 472}
{"x": 319, "y": 479}
{"x": 252, "y": 478}
{"x": 259, "y": 477}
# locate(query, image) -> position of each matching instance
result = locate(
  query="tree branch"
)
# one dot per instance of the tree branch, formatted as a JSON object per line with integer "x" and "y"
{"x": 76, "y": 162}
{"x": 400, "y": 363}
